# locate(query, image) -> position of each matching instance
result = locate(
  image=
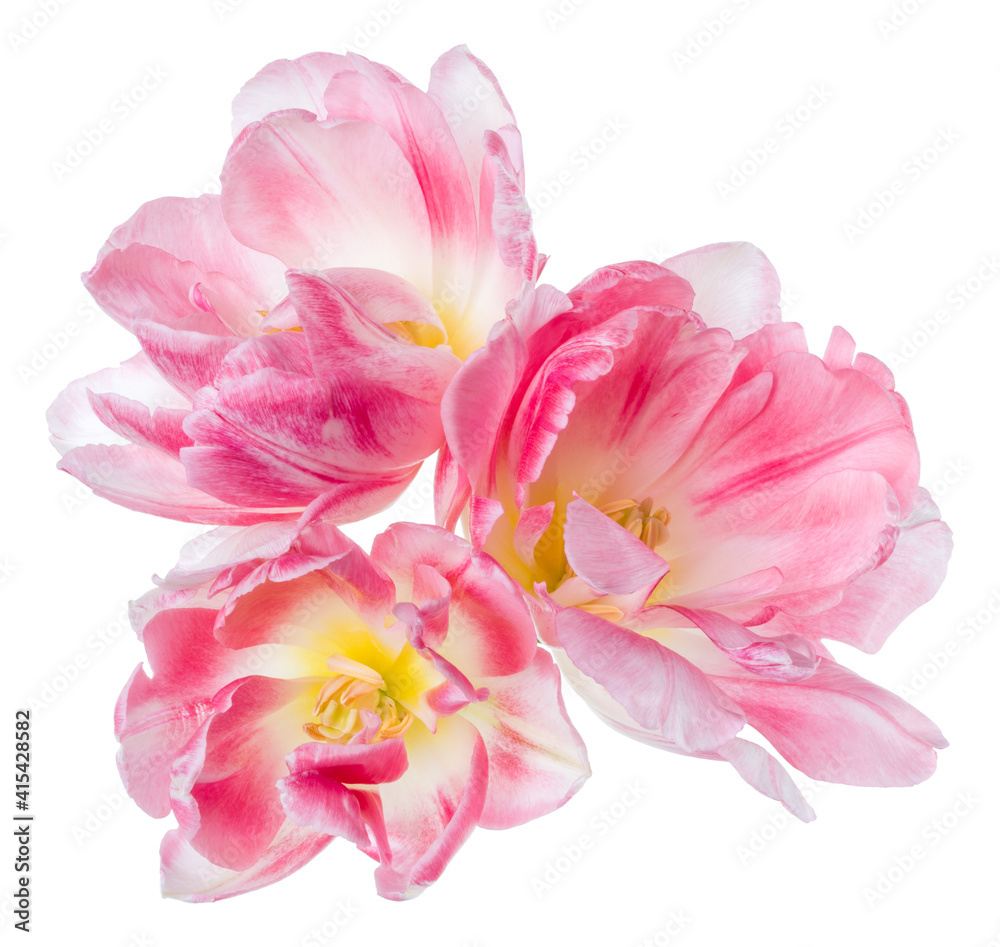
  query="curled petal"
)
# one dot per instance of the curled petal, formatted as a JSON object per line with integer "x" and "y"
{"x": 187, "y": 875}
{"x": 658, "y": 689}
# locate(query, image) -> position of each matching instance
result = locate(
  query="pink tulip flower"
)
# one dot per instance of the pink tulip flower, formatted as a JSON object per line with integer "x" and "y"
{"x": 299, "y": 330}
{"x": 692, "y": 503}
{"x": 303, "y": 691}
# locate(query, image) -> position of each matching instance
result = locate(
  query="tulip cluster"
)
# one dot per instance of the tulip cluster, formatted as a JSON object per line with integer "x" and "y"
{"x": 668, "y": 502}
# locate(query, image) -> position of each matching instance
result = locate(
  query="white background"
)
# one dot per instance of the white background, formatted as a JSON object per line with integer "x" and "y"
{"x": 700, "y": 858}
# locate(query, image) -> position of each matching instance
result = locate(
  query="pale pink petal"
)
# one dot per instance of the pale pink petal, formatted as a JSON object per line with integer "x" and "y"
{"x": 511, "y": 217}
{"x": 375, "y": 94}
{"x": 838, "y": 527}
{"x": 189, "y": 876}
{"x": 873, "y": 605}
{"x": 287, "y": 84}
{"x": 839, "y": 727}
{"x": 317, "y": 196}
{"x": 71, "y": 417}
{"x": 784, "y": 658}
{"x": 151, "y": 482}
{"x": 660, "y": 690}
{"x": 451, "y": 489}
{"x": 483, "y": 514}
{"x": 145, "y": 280}
{"x": 766, "y": 775}
{"x": 531, "y": 526}
{"x": 839, "y": 350}
{"x": 735, "y": 286}
{"x": 471, "y": 100}
{"x": 194, "y": 230}
{"x": 607, "y": 556}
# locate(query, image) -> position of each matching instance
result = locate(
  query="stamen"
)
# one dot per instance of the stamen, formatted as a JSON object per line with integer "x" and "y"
{"x": 353, "y": 701}
{"x": 640, "y": 519}
{"x": 619, "y": 506}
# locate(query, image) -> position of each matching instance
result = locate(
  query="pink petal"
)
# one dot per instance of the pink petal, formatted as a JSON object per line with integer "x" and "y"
{"x": 287, "y": 84}
{"x": 475, "y": 403}
{"x": 766, "y": 775}
{"x": 151, "y": 482}
{"x": 814, "y": 423}
{"x": 490, "y": 631}
{"x": 873, "y": 605}
{"x": 786, "y": 658}
{"x": 273, "y": 438}
{"x": 159, "y": 429}
{"x": 189, "y": 876}
{"x": 155, "y": 717}
{"x": 637, "y": 420}
{"x": 224, "y": 784}
{"x": 660, "y": 690}
{"x": 549, "y": 400}
{"x": 315, "y": 796}
{"x": 735, "y": 286}
{"x": 607, "y": 556}
{"x": 370, "y": 764}
{"x": 194, "y": 230}
{"x": 415, "y": 123}
{"x": 433, "y": 808}
{"x": 634, "y": 285}
{"x": 347, "y": 341}
{"x": 188, "y": 360}
{"x": 839, "y": 727}
{"x": 537, "y": 760}
{"x": 71, "y": 417}
{"x": 315, "y": 196}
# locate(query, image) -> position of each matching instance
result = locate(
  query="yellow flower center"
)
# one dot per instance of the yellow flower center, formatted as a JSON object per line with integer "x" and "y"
{"x": 347, "y": 700}
{"x": 419, "y": 333}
